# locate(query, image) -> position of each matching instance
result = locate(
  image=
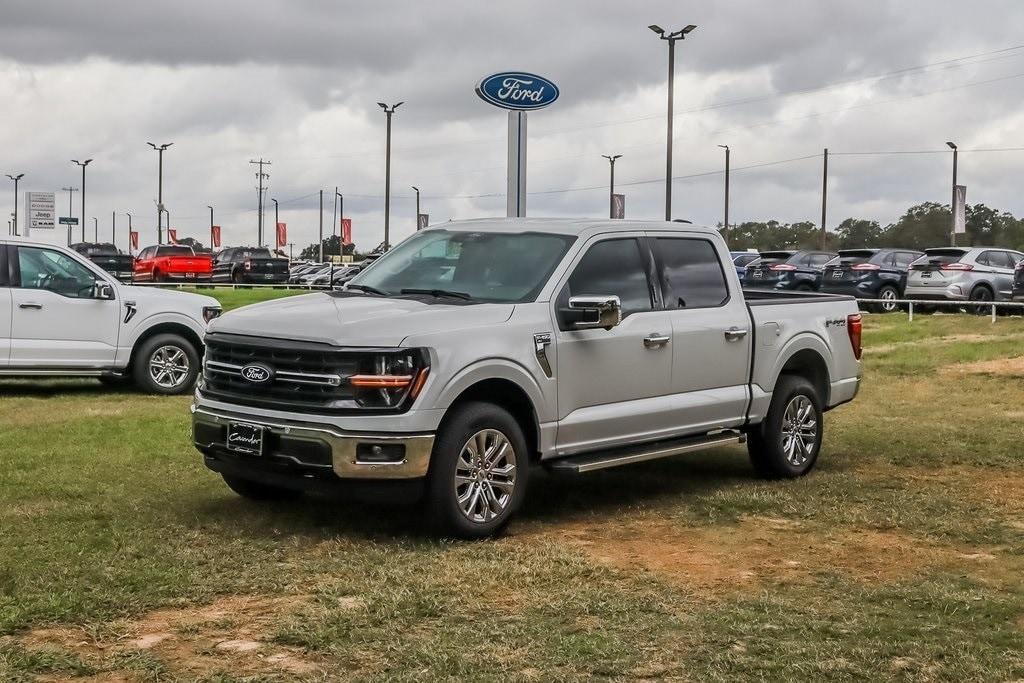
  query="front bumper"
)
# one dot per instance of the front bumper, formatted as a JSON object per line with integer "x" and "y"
{"x": 305, "y": 449}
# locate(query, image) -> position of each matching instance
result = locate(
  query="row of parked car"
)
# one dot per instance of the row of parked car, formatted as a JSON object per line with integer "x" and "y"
{"x": 975, "y": 274}
{"x": 181, "y": 263}
{"x": 324, "y": 274}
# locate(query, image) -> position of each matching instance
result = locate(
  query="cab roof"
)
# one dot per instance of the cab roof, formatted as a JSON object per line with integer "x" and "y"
{"x": 567, "y": 226}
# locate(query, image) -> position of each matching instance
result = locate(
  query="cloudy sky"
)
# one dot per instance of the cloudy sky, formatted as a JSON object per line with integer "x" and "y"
{"x": 297, "y": 83}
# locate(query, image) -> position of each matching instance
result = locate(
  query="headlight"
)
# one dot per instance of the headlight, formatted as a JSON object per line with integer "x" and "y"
{"x": 387, "y": 379}
{"x": 211, "y": 312}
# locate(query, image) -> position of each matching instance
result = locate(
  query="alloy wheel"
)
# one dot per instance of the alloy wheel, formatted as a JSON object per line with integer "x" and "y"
{"x": 799, "y": 430}
{"x": 888, "y": 300}
{"x": 485, "y": 476}
{"x": 168, "y": 366}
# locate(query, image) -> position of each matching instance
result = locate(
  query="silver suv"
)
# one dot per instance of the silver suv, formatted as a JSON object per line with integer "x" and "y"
{"x": 980, "y": 274}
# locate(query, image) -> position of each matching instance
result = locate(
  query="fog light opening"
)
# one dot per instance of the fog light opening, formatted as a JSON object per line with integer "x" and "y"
{"x": 380, "y": 453}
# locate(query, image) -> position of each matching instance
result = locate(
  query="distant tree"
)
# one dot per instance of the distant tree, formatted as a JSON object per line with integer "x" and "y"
{"x": 854, "y": 233}
{"x": 196, "y": 245}
{"x": 332, "y": 247}
{"x": 922, "y": 226}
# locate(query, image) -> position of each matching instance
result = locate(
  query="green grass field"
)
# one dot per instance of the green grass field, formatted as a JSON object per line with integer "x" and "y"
{"x": 900, "y": 558}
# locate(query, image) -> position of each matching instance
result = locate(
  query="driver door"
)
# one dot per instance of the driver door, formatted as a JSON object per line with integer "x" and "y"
{"x": 55, "y": 320}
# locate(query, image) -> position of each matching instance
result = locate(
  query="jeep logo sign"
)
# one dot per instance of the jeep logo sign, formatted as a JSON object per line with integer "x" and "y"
{"x": 517, "y": 90}
{"x": 257, "y": 374}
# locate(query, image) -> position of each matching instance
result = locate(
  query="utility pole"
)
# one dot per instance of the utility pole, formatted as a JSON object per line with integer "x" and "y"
{"x": 611, "y": 184}
{"x": 389, "y": 111}
{"x": 321, "y": 226}
{"x": 824, "y": 195}
{"x": 417, "y": 205}
{"x": 160, "y": 189}
{"x": 71, "y": 193}
{"x": 211, "y": 227}
{"x": 671, "y": 38}
{"x": 725, "y": 225}
{"x": 16, "y": 178}
{"x": 952, "y": 203}
{"x": 83, "y": 164}
{"x": 260, "y": 175}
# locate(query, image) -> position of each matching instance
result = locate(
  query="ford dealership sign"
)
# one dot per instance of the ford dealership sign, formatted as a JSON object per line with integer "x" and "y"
{"x": 517, "y": 90}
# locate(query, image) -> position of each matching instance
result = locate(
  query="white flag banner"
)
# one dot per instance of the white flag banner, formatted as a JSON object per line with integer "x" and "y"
{"x": 960, "y": 210}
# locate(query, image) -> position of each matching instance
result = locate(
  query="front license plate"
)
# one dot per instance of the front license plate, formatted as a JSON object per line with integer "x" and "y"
{"x": 837, "y": 274}
{"x": 245, "y": 438}
{"x": 926, "y": 274}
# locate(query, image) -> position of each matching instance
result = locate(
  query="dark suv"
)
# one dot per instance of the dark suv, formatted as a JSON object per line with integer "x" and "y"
{"x": 870, "y": 274}
{"x": 793, "y": 270}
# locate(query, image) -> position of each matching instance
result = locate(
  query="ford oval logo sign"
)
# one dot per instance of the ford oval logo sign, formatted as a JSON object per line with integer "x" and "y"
{"x": 517, "y": 90}
{"x": 257, "y": 374}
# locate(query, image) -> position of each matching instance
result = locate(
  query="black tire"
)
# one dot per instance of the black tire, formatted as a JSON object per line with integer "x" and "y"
{"x": 766, "y": 444}
{"x": 804, "y": 288}
{"x": 443, "y": 492}
{"x": 166, "y": 343}
{"x": 254, "y": 490}
{"x": 884, "y": 292}
{"x": 984, "y": 294}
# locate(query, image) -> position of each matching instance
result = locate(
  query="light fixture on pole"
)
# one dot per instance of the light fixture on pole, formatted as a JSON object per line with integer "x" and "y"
{"x": 671, "y": 38}
{"x": 611, "y": 183}
{"x": 389, "y": 111}
{"x": 952, "y": 203}
{"x": 160, "y": 188}
{"x": 725, "y": 225}
{"x": 417, "y": 191}
{"x": 83, "y": 164}
{"x": 15, "y": 178}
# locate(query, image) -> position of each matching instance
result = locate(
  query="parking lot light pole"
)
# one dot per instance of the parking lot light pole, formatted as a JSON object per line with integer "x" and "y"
{"x": 671, "y": 38}
{"x": 113, "y": 228}
{"x": 95, "y": 229}
{"x": 952, "y": 203}
{"x": 389, "y": 111}
{"x": 275, "y": 221}
{"x": 611, "y": 184}
{"x": 160, "y": 189}
{"x": 83, "y": 164}
{"x": 127, "y": 213}
{"x": 321, "y": 226}
{"x": 15, "y": 178}
{"x": 725, "y": 224}
{"x": 211, "y": 227}
{"x": 417, "y": 191}
{"x": 341, "y": 217}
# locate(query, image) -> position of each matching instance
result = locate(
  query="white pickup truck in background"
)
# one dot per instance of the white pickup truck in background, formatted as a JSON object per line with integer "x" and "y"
{"x": 476, "y": 349}
{"x": 63, "y": 316}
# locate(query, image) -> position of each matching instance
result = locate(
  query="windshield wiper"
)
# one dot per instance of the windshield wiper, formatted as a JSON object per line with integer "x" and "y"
{"x": 439, "y": 293}
{"x": 366, "y": 288}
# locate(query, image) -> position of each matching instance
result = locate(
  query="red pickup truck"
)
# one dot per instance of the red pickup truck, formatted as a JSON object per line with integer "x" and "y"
{"x": 166, "y": 262}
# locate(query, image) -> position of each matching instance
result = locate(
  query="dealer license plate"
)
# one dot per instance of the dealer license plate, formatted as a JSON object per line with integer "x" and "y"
{"x": 245, "y": 438}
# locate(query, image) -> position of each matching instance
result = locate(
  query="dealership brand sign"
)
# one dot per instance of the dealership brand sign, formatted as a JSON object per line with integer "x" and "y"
{"x": 517, "y": 90}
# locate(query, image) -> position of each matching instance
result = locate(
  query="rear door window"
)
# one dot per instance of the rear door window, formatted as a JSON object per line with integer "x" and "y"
{"x": 691, "y": 274}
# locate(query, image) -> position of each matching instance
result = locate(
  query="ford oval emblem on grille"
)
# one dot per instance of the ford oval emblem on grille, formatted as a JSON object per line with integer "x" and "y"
{"x": 257, "y": 374}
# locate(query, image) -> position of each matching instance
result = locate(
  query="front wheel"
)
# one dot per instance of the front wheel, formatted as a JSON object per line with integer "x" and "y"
{"x": 166, "y": 364}
{"x": 478, "y": 471}
{"x": 787, "y": 443}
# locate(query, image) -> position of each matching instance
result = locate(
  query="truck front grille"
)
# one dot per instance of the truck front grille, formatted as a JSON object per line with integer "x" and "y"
{"x": 284, "y": 374}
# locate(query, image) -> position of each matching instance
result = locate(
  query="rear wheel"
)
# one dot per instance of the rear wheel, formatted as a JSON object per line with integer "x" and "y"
{"x": 254, "y": 490}
{"x": 478, "y": 471}
{"x": 786, "y": 444}
{"x": 166, "y": 364}
{"x": 984, "y": 295}
{"x": 888, "y": 294}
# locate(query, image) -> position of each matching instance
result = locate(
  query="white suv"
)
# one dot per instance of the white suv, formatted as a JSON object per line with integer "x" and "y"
{"x": 62, "y": 316}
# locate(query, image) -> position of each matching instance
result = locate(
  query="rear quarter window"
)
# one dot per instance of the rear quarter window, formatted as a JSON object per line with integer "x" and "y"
{"x": 691, "y": 273}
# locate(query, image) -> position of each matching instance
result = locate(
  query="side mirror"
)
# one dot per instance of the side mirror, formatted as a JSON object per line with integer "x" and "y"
{"x": 102, "y": 290}
{"x": 593, "y": 312}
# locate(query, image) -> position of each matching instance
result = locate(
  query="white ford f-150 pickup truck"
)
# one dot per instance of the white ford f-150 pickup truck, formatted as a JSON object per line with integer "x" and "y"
{"x": 63, "y": 316}
{"x": 475, "y": 350}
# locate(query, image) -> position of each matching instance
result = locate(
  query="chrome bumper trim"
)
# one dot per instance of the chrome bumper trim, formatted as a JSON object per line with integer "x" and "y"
{"x": 418, "y": 447}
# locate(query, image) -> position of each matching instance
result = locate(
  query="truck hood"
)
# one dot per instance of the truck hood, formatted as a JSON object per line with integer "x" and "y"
{"x": 355, "y": 320}
{"x": 151, "y": 299}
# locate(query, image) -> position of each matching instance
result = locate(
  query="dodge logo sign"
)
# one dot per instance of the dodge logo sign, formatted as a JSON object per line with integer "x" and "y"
{"x": 257, "y": 374}
{"x": 517, "y": 90}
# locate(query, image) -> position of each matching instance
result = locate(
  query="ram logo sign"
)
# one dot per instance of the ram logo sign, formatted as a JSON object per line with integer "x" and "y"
{"x": 257, "y": 374}
{"x": 517, "y": 90}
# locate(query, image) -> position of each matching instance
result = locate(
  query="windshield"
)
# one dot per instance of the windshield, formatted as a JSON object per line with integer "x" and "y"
{"x": 175, "y": 251}
{"x": 487, "y": 266}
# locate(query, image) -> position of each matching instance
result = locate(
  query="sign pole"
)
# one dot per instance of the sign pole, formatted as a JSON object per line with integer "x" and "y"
{"x": 516, "y": 196}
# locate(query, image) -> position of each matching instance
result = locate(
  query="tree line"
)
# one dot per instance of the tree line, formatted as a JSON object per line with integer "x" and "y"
{"x": 922, "y": 226}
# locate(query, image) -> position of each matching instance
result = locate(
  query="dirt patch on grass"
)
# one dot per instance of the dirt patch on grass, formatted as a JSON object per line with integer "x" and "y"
{"x": 939, "y": 341}
{"x": 231, "y": 635}
{"x": 1000, "y": 367}
{"x": 758, "y": 551}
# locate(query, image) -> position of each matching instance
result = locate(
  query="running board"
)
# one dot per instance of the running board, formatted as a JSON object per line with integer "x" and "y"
{"x": 599, "y": 460}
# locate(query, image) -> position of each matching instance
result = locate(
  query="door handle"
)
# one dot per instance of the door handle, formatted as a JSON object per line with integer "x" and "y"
{"x": 30, "y": 305}
{"x": 735, "y": 334}
{"x": 656, "y": 339}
